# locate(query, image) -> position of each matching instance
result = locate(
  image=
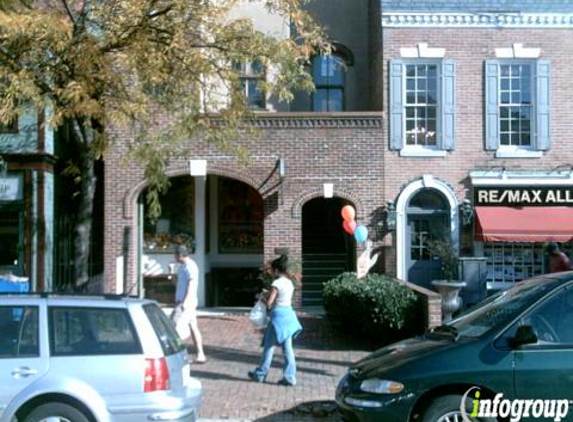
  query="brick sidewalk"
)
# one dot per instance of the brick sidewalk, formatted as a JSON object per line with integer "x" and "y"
{"x": 233, "y": 348}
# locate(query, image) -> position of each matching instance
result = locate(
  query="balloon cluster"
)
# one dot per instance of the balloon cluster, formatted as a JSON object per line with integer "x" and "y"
{"x": 349, "y": 225}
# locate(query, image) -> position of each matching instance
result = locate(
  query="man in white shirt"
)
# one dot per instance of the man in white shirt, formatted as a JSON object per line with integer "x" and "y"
{"x": 185, "y": 313}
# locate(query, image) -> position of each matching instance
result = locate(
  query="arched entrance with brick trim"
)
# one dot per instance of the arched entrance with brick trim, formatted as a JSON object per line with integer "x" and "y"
{"x": 220, "y": 219}
{"x": 327, "y": 250}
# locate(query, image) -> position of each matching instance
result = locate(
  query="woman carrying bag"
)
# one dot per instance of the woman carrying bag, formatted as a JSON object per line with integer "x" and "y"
{"x": 283, "y": 326}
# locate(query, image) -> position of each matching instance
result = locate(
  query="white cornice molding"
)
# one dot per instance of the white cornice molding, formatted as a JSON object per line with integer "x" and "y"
{"x": 477, "y": 20}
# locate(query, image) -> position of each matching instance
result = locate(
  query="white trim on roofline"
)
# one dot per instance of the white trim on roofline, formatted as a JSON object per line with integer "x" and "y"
{"x": 477, "y": 20}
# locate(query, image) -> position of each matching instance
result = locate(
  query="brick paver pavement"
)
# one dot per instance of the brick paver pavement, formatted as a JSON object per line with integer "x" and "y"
{"x": 232, "y": 347}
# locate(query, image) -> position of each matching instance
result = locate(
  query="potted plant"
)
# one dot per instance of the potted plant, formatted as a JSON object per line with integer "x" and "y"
{"x": 443, "y": 249}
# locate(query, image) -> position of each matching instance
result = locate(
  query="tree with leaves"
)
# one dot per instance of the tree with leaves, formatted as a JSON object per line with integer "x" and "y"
{"x": 94, "y": 65}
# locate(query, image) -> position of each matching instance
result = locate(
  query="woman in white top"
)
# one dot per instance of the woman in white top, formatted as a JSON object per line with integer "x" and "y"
{"x": 282, "y": 328}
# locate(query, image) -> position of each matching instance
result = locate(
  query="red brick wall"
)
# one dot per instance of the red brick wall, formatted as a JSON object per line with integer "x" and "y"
{"x": 345, "y": 149}
{"x": 469, "y": 48}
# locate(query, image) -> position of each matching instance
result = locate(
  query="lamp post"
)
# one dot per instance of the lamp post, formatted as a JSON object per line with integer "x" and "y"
{"x": 391, "y": 215}
{"x": 467, "y": 211}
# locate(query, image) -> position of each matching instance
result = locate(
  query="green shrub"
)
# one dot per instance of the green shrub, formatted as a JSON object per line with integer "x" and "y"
{"x": 376, "y": 307}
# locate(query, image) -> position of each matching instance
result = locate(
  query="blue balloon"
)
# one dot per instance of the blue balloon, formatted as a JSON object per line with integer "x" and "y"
{"x": 361, "y": 234}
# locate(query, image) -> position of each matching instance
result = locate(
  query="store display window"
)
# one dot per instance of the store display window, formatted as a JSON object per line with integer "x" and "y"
{"x": 176, "y": 224}
{"x": 508, "y": 263}
{"x": 240, "y": 218}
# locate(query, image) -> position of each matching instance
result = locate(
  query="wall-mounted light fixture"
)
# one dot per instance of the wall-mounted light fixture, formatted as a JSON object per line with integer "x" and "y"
{"x": 328, "y": 190}
{"x": 467, "y": 212}
{"x": 281, "y": 167}
{"x": 391, "y": 215}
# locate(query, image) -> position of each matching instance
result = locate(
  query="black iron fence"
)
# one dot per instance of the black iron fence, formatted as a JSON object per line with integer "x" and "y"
{"x": 64, "y": 255}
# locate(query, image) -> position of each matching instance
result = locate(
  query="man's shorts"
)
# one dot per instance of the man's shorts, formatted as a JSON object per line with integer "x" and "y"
{"x": 182, "y": 318}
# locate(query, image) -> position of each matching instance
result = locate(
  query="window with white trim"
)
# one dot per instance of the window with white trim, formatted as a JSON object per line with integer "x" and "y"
{"x": 517, "y": 107}
{"x": 422, "y": 106}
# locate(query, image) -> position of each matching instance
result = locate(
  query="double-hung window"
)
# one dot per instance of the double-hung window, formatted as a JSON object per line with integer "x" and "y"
{"x": 328, "y": 73}
{"x": 422, "y": 106}
{"x": 251, "y": 74}
{"x": 517, "y": 107}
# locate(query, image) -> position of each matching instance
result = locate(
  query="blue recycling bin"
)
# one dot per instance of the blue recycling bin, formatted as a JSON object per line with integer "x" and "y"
{"x": 13, "y": 287}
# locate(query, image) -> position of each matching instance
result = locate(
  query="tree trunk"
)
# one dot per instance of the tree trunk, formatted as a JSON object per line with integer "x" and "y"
{"x": 84, "y": 134}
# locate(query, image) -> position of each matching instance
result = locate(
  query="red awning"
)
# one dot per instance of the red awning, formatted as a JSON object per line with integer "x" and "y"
{"x": 527, "y": 224}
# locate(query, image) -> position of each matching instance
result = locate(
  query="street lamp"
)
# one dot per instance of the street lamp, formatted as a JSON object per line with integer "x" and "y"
{"x": 467, "y": 211}
{"x": 391, "y": 215}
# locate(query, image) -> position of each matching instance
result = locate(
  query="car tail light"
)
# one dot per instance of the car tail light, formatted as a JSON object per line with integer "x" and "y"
{"x": 156, "y": 375}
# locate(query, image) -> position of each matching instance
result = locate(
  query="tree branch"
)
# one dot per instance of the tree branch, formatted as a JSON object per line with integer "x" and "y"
{"x": 153, "y": 15}
{"x": 68, "y": 11}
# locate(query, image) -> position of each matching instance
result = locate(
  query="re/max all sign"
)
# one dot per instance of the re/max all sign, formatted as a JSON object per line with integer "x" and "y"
{"x": 516, "y": 196}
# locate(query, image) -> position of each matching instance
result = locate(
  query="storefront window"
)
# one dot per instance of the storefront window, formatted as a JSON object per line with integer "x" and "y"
{"x": 240, "y": 218}
{"x": 176, "y": 224}
{"x": 508, "y": 263}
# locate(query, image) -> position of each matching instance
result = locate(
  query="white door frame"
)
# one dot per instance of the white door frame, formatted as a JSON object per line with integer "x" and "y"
{"x": 425, "y": 182}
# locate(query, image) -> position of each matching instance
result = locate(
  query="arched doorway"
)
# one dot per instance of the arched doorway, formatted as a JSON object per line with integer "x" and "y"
{"x": 220, "y": 220}
{"x": 327, "y": 250}
{"x": 428, "y": 217}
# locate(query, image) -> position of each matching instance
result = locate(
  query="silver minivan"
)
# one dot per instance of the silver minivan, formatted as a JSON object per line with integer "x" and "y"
{"x": 92, "y": 359}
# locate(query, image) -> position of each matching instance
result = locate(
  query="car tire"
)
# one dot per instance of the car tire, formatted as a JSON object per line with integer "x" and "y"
{"x": 447, "y": 409}
{"x": 61, "y": 411}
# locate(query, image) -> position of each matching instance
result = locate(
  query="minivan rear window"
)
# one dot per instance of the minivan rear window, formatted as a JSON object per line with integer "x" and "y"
{"x": 92, "y": 331}
{"x": 170, "y": 341}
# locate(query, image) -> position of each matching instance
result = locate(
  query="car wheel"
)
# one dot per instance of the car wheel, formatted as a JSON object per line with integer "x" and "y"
{"x": 447, "y": 409}
{"x": 56, "y": 412}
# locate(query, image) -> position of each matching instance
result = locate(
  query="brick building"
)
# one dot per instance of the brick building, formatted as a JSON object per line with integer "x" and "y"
{"x": 424, "y": 116}
{"x": 476, "y": 104}
{"x": 234, "y": 217}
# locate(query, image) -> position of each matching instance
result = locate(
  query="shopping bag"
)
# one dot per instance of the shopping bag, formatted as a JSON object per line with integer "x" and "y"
{"x": 258, "y": 315}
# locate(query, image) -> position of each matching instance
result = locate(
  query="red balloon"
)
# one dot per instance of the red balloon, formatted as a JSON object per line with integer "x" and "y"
{"x": 348, "y": 213}
{"x": 349, "y": 226}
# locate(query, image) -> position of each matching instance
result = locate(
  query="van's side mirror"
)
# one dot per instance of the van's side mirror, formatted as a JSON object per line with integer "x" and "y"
{"x": 525, "y": 334}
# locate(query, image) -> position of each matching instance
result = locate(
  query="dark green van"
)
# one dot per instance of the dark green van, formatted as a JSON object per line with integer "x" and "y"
{"x": 508, "y": 358}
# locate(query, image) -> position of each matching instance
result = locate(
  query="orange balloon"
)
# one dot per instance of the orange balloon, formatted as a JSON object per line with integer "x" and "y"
{"x": 349, "y": 226}
{"x": 348, "y": 212}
